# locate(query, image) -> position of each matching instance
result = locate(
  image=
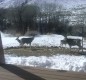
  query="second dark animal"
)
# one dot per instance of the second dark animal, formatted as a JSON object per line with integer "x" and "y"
{"x": 71, "y": 42}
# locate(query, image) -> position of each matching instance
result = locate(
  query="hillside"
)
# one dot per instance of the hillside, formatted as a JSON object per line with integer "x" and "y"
{"x": 65, "y": 3}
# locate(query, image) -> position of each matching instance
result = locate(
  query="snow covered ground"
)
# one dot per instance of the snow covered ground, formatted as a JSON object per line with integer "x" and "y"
{"x": 41, "y": 40}
{"x": 62, "y": 62}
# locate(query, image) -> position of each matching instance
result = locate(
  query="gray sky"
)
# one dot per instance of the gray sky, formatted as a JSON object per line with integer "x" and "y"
{"x": 65, "y": 3}
{"x": 71, "y": 3}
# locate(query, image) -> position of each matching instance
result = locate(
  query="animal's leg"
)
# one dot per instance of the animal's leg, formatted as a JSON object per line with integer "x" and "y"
{"x": 65, "y": 45}
{"x": 70, "y": 48}
{"x": 21, "y": 44}
{"x": 30, "y": 45}
{"x": 80, "y": 47}
{"x": 62, "y": 46}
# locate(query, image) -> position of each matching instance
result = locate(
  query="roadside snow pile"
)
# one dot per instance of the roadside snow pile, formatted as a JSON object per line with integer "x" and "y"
{"x": 62, "y": 62}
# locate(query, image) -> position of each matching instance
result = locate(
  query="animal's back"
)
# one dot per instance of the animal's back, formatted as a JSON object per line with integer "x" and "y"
{"x": 27, "y": 40}
{"x": 73, "y": 42}
{"x": 63, "y": 42}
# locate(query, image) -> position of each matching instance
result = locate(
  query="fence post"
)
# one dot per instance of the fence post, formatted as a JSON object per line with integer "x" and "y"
{"x": 2, "y": 59}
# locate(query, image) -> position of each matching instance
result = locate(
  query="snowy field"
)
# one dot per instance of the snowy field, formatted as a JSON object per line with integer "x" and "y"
{"x": 62, "y": 62}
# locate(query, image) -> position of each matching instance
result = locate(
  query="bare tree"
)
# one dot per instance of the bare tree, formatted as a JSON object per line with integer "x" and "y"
{"x": 22, "y": 16}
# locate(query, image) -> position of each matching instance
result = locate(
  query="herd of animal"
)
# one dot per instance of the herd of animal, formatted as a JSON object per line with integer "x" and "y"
{"x": 69, "y": 41}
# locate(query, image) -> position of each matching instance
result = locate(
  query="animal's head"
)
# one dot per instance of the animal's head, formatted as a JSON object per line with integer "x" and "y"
{"x": 32, "y": 37}
{"x": 17, "y": 38}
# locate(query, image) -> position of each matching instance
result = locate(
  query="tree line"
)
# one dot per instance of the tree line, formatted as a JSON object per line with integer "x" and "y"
{"x": 47, "y": 18}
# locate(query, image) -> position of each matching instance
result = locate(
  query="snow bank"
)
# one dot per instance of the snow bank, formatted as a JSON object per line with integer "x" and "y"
{"x": 40, "y": 41}
{"x": 52, "y": 40}
{"x": 74, "y": 37}
{"x": 62, "y": 62}
{"x": 48, "y": 40}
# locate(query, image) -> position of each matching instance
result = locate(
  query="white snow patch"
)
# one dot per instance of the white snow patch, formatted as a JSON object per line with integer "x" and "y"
{"x": 62, "y": 62}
